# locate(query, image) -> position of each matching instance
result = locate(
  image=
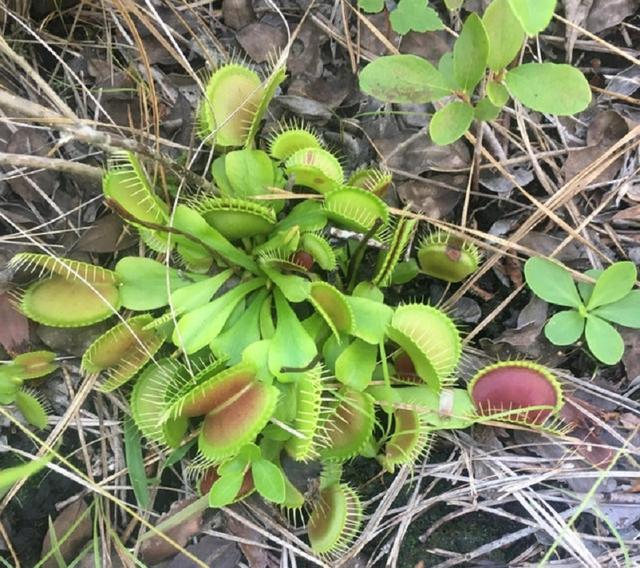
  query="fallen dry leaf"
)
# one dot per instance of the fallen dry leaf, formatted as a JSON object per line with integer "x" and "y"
{"x": 432, "y": 196}
{"x": 604, "y": 131}
{"x": 156, "y": 549}
{"x": 256, "y": 555}
{"x": 72, "y": 529}
{"x": 107, "y": 234}
{"x": 35, "y": 143}
{"x": 14, "y": 331}
{"x": 237, "y": 13}
{"x": 261, "y": 40}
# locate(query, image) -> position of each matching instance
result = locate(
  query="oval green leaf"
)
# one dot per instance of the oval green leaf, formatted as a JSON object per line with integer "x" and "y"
{"x": 534, "y": 15}
{"x": 268, "y": 480}
{"x": 497, "y": 93}
{"x": 505, "y": 34}
{"x": 564, "y": 328}
{"x": 403, "y": 79}
{"x": 549, "y": 87}
{"x": 603, "y": 340}
{"x": 613, "y": 284}
{"x": 470, "y": 53}
{"x": 450, "y": 122}
{"x": 225, "y": 489}
{"x": 623, "y": 312}
{"x": 551, "y": 282}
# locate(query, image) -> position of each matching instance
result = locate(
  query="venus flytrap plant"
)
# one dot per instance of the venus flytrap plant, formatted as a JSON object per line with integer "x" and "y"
{"x": 483, "y": 55}
{"x": 612, "y": 300}
{"x": 263, "y": 337}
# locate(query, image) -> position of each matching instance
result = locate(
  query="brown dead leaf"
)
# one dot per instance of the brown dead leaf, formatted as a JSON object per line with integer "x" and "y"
{"x": 629, "y": 214}
{"x": 369, "y": 40}
{"x": 261, "y": 40}
{"x": 431, "y": 45}
{"x": 35, "y": 143}
{"x": 237, "y": 13}
{"x": 420, "y": 155}
{"x": 107, "y": 234}
{"x": 256, "y": 555}
{"x": 305, "y": 57}
{"x": 631, "y": 357}
{"x": 72, "y": 530}
{"x": 604, "y": 131}
{"x": 213, "y": 551}
{"x": 156, "y": 549}
{"x": 432, "y": 196}
{"x": 329, "y": 90}
{"x": 14, "y": 330}
{"x": 608, "y": 13}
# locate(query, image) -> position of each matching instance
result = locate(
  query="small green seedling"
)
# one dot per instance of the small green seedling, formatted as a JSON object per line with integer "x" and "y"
{"x": 481, "y": 57}
{"x": 594, "y": 307}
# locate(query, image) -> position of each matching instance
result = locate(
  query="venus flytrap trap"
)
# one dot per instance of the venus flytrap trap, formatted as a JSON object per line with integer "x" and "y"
{"x": 13, "y": 375}
{"x": 611, "y": 300}
{"x": 482, "y": 55}
{"x": 265, "y": 339}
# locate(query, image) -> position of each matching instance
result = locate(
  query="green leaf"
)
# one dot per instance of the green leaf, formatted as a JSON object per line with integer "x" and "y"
{"x": 269, "y": 480}
{"x": 534, "y": 15}
{"x": 135, "y": 463}
{"x": 355, "y": 365}
{"x": 603, "y": 340}
{"x": 31, "y": 409}
{"x": 295, "y": 288}
{"x": 445, "y": 67}
{"x": 146, "y": 283}
{"x": 486, "y": 110}
{"x": 405, "y": 272}
{"x": 199, "y": 327}
{"x": 470, "y": 53}
{"x": 190, "y": 221}
{"x": 11, "y": 475}
{"x": 10, "y": 383}
{"x": 450, "y": 122}
{"x": 549, "y": 87}
{"x": 624, "y": 312}
{"x": 564, "y": 328}
{"x": 403, "y": 79}
{"x": 453, "y": 4}
{"x": 586, "y": 288}
{"x": 505, "y": 33}
{"x": 551, "y": 282}
{"x": 194, "y": 295}
{"x": 291, "y": 346}
{"x": 237, "y": 337}
{"x": 415, "y": 15}
{"x": 371, "y": 318}
{"x": 225, "y": 490}
{"x": 497, "y": 93}
{"x": 250, "y": 172}
{"x": 371, "y": 6}
{"x": 613, "y": 284}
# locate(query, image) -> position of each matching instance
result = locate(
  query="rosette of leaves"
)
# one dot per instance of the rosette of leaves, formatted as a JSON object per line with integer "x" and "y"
{"x": 482, "y": 55}
{"x": 594, "y": 308}
{"x": 13, "y": 375}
